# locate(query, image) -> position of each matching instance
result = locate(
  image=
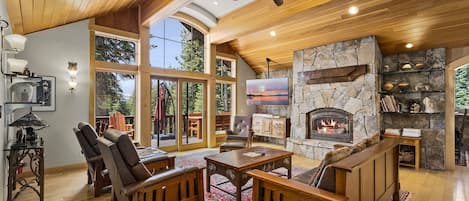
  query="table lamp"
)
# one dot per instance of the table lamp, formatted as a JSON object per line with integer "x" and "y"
{"x": 28, "y": 122}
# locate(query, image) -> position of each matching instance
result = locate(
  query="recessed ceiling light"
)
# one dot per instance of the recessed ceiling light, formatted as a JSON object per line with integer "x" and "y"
{"x": 409, "y": 45}
{"x": 215, "y": 3}
{"x": 353, "y": 10}
{"x": 272, "y": 33}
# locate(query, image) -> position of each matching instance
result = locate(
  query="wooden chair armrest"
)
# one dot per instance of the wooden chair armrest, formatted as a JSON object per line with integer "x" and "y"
{"x": 291, "y": 185}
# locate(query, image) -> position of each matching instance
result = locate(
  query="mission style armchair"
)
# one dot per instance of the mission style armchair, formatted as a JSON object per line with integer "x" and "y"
{"x": 241, "y": 135}
{"x": 131, "y": 180}
{"x": 98, "y": 175}
{"x": 368, "y": 170}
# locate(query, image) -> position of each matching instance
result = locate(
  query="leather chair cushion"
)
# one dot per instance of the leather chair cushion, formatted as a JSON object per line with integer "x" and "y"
{"x": 126, "y": 147}
{"x": 305, "y": 177}
{"x": 233, "y": 145}
{"x": 87, "y": 149}
{"x": 90, "y": 135}
{"x": 331, "y": 157}
{"x": 116, "y": 165}
{"x": 140, "y": 172}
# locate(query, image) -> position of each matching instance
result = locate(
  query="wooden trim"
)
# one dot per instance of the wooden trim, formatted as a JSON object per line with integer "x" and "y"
{"x": 121, "y": 33}
{"x": 297, "y": 187}
{"x": 153, "y": 11}
{"x": 226, "y": 56}
{"x": 192, "y": 21}
{"x": 59, "y": 169}
{"x": 172, "y": 73}
{"x": 115, "y": 67}
{"x": 228, "y": 80}
{"x": 450, "y": 94}
{"x": 92, "y": 102}
{"x": 341, "y": 74}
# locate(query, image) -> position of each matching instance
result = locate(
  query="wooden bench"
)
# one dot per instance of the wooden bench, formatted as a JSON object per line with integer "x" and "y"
{"x": 369, "y": 175}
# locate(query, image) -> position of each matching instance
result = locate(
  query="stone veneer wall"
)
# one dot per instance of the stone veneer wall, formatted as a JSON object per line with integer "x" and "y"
{"x": 432, "y": 147}
{"x": 358, "y": 97}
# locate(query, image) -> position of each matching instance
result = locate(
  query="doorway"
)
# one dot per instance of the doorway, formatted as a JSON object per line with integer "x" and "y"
{"x": 461, "y": 115}
{"x": 178, "y": 113}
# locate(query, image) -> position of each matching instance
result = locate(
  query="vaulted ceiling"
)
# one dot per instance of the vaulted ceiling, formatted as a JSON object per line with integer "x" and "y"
{"x": 298, "y": 24}
{"x": 27, "y": 16}
{"x": 302, "y": 24}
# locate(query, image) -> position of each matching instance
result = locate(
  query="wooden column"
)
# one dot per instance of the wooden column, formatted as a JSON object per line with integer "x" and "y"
{"x": 211, "y": 98}
{"x": 92, "y": 102}
{"x": 143, "y": 118}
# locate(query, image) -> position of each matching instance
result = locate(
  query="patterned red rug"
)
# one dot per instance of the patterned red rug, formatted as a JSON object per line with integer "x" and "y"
{"x": 197, "y": 159}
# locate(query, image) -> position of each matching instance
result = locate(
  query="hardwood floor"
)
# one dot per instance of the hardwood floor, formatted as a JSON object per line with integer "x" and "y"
{"x": 425, "y": 185}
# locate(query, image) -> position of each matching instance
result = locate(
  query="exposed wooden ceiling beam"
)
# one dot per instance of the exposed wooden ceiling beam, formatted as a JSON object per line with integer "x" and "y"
{"x": 259, "y": 15}
{"x": 153, "y": 11}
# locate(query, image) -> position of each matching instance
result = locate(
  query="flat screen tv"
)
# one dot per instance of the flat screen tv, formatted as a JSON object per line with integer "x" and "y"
{"x": 267, "y": 91}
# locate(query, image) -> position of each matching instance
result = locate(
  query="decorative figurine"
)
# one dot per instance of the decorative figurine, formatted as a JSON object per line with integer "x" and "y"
{"x": 414, "y": 108}
{"x": 429, "y": 105}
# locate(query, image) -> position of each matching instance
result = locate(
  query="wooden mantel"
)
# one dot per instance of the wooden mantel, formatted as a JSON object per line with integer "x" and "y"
{"x": 341, "y": 74}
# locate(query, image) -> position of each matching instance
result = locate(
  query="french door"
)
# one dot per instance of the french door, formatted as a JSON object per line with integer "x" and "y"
{"x": 178, "y": 113}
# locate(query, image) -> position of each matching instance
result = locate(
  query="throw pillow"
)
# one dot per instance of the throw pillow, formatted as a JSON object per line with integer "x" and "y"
{"x": 331, "y": 157}
{"x": 373, "y": 140}
{"x": 359, "y": 146}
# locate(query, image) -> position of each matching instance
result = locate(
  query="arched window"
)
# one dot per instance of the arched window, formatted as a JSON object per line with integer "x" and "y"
{"x": 175, "y": 44}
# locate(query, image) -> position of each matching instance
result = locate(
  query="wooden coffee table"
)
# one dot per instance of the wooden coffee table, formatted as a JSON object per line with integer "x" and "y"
{"x": 234, "y": 164}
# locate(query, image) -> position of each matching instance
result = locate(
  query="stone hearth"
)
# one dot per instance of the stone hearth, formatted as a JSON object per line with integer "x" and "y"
{"x": 358, "y": 97}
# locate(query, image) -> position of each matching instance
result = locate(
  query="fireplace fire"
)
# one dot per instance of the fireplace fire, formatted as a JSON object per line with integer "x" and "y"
{"x": 330, "y": 124}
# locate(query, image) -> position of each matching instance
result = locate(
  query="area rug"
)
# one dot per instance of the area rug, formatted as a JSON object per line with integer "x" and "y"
{"x": 197, "y": 159}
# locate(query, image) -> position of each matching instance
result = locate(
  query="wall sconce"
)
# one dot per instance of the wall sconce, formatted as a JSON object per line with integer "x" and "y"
{"x": 73, "y": 71}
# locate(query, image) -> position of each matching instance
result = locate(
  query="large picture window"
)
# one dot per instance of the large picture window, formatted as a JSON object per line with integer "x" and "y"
{"x": 176, "y": 45}
{"x": 115, "y": 50}
{"x": 115, "y": 101}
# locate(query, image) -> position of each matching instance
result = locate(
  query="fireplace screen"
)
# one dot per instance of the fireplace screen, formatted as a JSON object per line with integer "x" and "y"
{"x": 330, "y": 124}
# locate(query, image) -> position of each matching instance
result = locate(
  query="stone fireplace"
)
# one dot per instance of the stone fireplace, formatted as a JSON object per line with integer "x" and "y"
{"x": 330, "y": 124}
{"x": 352, "y": 105}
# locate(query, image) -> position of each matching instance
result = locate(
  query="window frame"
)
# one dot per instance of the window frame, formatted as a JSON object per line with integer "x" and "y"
{"x": 199, "y": 27}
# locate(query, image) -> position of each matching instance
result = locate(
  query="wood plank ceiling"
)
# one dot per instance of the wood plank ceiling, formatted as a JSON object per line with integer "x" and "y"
{"x": 425, "y": 23}
{"x": 27, "y": 16}
{"x": 299, "y": 24}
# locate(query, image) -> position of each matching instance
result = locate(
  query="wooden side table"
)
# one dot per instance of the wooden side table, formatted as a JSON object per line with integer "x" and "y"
{"x": 409, "y": 141}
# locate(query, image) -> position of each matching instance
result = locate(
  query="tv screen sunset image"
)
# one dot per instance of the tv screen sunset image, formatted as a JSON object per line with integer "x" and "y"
{"x": 267, "y": 91}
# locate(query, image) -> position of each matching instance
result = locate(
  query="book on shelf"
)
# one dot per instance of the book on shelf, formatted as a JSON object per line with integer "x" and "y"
{"x": 389, "y": 104}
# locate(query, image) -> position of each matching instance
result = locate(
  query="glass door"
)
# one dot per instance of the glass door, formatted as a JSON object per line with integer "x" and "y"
{"x": 164, "y": 108}
{"x": 193, "y": 129}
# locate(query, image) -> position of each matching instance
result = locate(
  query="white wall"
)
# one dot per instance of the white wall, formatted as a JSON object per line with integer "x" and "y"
{"x": 245, "y": 72}
{"x": 48, "y": 53}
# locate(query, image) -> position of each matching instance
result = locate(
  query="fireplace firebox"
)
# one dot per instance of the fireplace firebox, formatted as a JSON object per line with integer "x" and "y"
{"x": 330, "y": 124}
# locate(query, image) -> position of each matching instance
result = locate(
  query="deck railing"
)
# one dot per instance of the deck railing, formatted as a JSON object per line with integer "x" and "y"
{"x": 168, "y": 123}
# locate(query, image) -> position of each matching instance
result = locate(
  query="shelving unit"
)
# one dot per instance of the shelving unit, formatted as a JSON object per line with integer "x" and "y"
{"x": 430, "y": 122}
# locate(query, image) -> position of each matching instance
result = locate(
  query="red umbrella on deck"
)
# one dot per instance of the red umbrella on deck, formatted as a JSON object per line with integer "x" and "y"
{"x": 159, "y": 113}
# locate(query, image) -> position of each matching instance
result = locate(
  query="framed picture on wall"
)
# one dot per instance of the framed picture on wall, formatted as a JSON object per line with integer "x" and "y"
{"x": 45, "y": 92}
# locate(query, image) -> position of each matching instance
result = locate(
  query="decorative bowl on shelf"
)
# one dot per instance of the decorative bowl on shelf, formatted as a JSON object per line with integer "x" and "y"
{"x": 404, "y": 85}
{"x": 388, "y": 86}
{"x": 421, "y": 66}
{"x": 406, "y": 66}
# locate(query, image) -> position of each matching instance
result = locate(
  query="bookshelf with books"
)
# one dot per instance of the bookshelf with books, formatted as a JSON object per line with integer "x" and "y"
{"x": 412, "y": 97}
